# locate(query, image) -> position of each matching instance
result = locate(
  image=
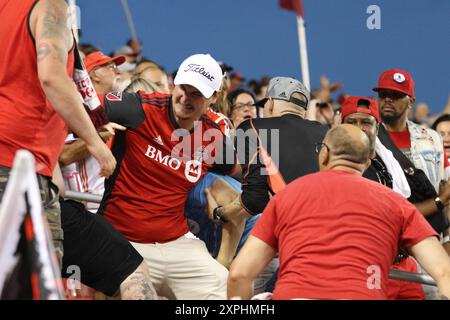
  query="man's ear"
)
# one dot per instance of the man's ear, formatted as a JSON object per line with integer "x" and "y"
{"x": 271, "y": 106}
{"x": 94, "y": 77}
{"x": 324, "y": 158}
{"x": 412, "y": 100}
{"x": 367, "y": 165}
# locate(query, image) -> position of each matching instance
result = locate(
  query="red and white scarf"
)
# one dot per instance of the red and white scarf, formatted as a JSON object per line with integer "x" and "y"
{"x": 87, "y": 92}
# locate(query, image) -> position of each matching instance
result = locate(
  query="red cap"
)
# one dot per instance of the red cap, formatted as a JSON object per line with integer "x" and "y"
{"x": 97, "y": 58}
{"x": 354, "y": 104}
{"x": 398, "y": 80}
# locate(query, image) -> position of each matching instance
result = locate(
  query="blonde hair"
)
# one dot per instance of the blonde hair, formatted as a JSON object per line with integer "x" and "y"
{"x": 140, "y": 84}
{"x": 222, "y": 104}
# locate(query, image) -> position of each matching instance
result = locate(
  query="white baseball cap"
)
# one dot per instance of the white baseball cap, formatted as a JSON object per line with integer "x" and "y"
{"x": 202, "y": 72}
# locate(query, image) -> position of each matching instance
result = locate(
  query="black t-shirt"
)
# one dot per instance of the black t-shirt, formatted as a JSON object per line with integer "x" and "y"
{"x": 289, "y": 140}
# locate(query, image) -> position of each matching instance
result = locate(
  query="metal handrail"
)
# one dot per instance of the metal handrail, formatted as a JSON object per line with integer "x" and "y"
{"x": 82, "y": 196}
{"x": 412, "y": 277}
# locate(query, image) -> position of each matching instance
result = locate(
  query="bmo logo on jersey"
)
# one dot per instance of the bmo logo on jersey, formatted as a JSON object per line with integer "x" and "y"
{"x": 167, "y": 160}
{"x": 193, "y": 170}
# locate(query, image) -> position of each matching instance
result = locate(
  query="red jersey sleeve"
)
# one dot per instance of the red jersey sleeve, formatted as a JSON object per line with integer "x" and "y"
{"x": 415, "y": 227}
{"x": 220, "y": 119}
{"x": 264, "y": 228}
{"x": 101, "y": 97}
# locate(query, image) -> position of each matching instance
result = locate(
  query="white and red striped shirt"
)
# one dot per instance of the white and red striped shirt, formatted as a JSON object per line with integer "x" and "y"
{"x": 220, "y": 119}
{"x": 83, "y": 176}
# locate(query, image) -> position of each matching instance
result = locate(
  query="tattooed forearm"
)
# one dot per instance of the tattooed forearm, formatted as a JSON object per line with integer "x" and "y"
{"x": 138, "y": 285}
{"x": 60, "y": 53}
{"x": 45, "y": 50}
{"x": 42, "y": 51}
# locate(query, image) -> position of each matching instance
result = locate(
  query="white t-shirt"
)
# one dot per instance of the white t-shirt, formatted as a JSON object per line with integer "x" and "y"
{"x": 83, "y": 176}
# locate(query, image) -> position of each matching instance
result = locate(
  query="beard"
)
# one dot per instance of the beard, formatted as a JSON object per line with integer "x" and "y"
{"x": 119, "y": 84}
{"x": 391, "y": 119}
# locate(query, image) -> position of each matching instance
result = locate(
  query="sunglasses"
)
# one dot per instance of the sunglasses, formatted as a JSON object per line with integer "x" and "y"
{"x": 393, "y": 95}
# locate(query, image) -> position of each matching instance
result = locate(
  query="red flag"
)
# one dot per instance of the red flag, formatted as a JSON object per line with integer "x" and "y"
{"x": 293, "y": 5}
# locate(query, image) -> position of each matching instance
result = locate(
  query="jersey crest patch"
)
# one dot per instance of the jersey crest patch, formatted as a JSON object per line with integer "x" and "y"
{"x": 114, "y": 96}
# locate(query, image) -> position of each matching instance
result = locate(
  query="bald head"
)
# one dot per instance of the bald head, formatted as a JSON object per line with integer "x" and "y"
{"x": 348, "y": 147}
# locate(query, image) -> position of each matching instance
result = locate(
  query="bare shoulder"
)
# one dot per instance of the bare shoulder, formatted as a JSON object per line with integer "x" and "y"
{"x": 50, "y": 28}
{"x": 49, "y": 20}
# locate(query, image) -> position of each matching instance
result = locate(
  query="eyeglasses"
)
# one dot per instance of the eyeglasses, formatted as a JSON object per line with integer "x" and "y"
{"x": 109, "y": 65}
{"x": 239, "y": 106}
{"x": 319, "y": 145}
{"x": 393, "y": 95}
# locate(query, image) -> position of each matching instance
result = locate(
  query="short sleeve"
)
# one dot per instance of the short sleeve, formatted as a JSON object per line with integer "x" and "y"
{"x": 226, "y": 157}
{"x": 415, "y": 228}
{"x": 264, "y": 228}
{"x": 123, "y": 108}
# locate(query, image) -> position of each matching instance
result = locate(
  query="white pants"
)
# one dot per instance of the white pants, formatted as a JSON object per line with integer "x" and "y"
{"x": 183, "y": 269}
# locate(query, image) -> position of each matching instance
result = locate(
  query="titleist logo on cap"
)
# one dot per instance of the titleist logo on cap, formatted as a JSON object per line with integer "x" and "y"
{"x": 197, "y": 68}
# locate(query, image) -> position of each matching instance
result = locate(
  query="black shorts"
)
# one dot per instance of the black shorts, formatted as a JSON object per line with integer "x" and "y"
{"x": 102, "y": 254}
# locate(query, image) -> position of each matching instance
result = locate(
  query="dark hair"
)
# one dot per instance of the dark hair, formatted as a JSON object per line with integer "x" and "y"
{"x": 233, "y": 95}
{"x": 261, "y": 83}
{"x": 442, "y": 118}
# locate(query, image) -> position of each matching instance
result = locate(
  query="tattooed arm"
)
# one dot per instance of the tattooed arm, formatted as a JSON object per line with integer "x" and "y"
{"x": 53, "y": 40}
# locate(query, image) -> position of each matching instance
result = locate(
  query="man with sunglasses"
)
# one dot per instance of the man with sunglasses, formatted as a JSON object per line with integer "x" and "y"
{"x": 422, "y": 146}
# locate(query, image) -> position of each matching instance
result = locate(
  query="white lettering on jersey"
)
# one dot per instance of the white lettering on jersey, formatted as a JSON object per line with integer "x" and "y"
{"x": 158, "y": 140}
{"x": 167, "y": 160}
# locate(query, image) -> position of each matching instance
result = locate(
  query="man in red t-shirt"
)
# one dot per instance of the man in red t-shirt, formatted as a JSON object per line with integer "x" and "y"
{"x": 168, "y": 146}
{"x": 38, "y": 98}
{"x": 336, "y": 232}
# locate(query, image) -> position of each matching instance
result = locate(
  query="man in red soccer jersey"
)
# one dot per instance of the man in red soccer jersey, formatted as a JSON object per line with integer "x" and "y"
{"x": 331, "y": 243}
{"x": 165, "y": 151}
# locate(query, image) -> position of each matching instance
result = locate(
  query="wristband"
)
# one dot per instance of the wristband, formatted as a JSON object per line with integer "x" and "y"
{"x": 218, "y": 215}
{"x": 439, "y": 203}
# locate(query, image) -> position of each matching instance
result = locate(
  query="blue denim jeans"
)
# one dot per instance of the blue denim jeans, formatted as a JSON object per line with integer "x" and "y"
{"x": 210, "y": 232}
